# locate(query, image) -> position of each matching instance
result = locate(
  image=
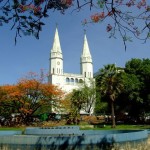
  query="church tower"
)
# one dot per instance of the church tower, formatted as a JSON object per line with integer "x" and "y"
{"x": 56, "y": 57}
{"x": 69, "y": 81}
{"x": 86, "y": 64}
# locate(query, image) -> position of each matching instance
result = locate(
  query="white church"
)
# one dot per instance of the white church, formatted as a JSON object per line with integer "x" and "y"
{"x": 69, "y": 81}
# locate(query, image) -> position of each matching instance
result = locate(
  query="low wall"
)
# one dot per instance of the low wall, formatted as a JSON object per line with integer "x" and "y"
{"x": 80, "y": 138}
{"x": 4, "y": 133}
{"x": 53, "y": 130}
{"x": 148, "y": 131}
{"x": 119, "y": 135}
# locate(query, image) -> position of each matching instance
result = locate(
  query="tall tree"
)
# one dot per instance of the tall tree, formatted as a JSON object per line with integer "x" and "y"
{"x": 141, "y": 69}
{"x": 131, "y": 99}
{"x": 110, "y": 85}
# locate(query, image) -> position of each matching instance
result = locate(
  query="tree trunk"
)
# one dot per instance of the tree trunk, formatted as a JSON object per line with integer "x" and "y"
{"x": 113, "y": 115}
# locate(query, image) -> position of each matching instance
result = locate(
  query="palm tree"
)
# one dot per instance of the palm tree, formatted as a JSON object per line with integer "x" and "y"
{"x": 109, "y": 85}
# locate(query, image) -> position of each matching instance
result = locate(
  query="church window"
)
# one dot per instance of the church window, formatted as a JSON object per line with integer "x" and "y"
{"x": 76, "y": 80}
{"x": 80, "y": 81}
{"x": 72, "y": 80}
{"x": 67, "y": 80}
{"x": 85, "y": 74}
{"x": 53, "y": 71}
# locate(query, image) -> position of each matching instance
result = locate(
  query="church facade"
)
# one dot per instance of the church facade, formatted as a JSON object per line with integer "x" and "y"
{"x": 69, "y": 81}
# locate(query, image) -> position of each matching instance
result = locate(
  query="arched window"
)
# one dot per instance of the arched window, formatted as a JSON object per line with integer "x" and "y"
{"x": 80, "y": 81}
{"x": 85, "y": 74}
{"x": 72, "y": 80}
{"x": 67, "y": 80}
{"x": 53, "y": 71}
{"x": 76, "y": 80}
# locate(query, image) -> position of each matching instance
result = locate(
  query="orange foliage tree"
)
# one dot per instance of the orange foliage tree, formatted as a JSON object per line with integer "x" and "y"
{"x": 29, "y": 95}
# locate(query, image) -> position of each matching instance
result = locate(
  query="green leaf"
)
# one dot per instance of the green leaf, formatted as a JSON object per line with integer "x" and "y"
{"x": 148, "y": 8}
{"x": 30, "y": 17}
{"x": 6, "y": 8}
{"x": 101, "y": 3}
{"x": 6, "y": 13}
{"x": 6, "y": 21}
{"x": 41, "y": 23}
{"x": 23, "y": 17}
{"x": 45, "y": 15}
{"x": 16, "y": 19}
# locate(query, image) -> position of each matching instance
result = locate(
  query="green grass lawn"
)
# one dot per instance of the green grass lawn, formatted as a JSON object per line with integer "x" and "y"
{"x": 89, "y": 127}
{"x": 12, "y": 128}
{"x": 118, "y": 127}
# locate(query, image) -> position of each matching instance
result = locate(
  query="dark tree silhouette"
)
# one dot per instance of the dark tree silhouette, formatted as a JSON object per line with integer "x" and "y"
{"x": 131, "y": 18}
{"x": 109, "y": 84}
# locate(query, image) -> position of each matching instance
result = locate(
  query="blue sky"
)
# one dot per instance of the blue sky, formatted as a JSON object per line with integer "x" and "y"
{"x": 31, "y": 55}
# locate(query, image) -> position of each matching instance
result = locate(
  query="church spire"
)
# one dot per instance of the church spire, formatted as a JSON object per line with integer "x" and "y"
{"x": 56, "y": 44}
{"x": 56, "y": 57}
{"x": 86, "y": 60}
{"x": 86, "y": 55}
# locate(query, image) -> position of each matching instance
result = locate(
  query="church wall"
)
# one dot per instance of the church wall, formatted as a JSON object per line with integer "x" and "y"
{"x": 87, "y": 70}
{"x": 69, "y": 81}
{"x": 56, "y": 66}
